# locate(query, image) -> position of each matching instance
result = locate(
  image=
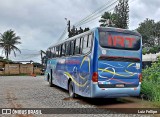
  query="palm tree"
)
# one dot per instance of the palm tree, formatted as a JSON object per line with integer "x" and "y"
{"x": 8, "y": 42}
{"x": 107, "y": 19}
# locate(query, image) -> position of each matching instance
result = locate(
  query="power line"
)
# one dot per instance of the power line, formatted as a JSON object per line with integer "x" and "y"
{"x": 64, "y": 32}
{"x": 102, "y": 8}
{"x": 29, "y": 50}
{"x": 93, "y": 15}
{"x": 87, "y": 21}
{"x": 92, "y": 20}
{"x": 96, "y": 12}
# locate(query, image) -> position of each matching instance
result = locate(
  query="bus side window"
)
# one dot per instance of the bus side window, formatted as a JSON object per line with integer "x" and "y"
{"x": 77, "y": 46}
{"x": 72, "y": 47}
{"x": 90, "y": 41}
{"x": 54, "y": 52}
{"x": 81, "y": 45}
{"x": 50, "y": 53}
{"x": 63, "y": 49}
{"x": 87, "y": 44}
{"x": 57, "y": 51}
{"x": 67, "y": 48}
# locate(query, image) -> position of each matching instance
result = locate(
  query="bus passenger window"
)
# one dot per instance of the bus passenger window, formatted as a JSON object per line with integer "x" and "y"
{"x": 87, "y": 43}
{"x": 67, "y": 48}
{"x": 57, "y": 50}
{"x": 52, "y": 52}
{"x": 63, "y": 49}
{"x": 72, "y": 47}
{"x": 77, "y": 46}
{"x": 59, "y": 53}
{"x": 81, "y": 45}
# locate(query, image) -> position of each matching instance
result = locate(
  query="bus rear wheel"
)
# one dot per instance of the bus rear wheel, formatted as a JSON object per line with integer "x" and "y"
{"x": 70, "y": 90}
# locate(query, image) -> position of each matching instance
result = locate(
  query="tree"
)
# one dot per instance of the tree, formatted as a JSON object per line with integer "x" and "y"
{"x": 146, "y": 29}
{"x": 108, "y": 19}
{"x": 150, "y": 31}
{"x": 8, "y": 42}
{"x": 86, "y": 29}
{"x": 157, "y": 33}
{"x": 122, "y": 14}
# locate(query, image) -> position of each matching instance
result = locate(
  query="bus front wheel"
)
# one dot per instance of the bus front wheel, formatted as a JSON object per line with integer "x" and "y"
{"x": 71, "y": 90}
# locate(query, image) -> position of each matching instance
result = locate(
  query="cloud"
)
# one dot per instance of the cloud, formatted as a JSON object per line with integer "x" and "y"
{"x": 142, "y": 9}
{"x": 40, "y": 23}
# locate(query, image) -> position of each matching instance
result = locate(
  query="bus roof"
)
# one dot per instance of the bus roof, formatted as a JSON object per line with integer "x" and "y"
{"x": 133, "y": 32}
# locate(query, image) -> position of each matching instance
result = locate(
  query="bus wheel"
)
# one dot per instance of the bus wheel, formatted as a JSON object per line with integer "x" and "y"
{"x": 50, "y": 82}
{"x": 70, "y": 89}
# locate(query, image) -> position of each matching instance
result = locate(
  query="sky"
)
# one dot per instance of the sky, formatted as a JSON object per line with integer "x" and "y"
{"x": 40, "y": 23}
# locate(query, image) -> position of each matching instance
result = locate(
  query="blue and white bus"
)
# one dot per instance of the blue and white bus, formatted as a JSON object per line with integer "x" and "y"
{"x": 100, "y": 63}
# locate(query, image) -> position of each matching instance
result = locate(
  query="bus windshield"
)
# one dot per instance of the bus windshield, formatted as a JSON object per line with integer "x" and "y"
{"x": 119, "y": 40}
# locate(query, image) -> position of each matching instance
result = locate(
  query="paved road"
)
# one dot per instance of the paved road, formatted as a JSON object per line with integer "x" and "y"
{"x": 33, "y": 92}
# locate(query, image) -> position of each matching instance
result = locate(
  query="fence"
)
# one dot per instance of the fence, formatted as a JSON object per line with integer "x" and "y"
{"x": 15, "y": 69}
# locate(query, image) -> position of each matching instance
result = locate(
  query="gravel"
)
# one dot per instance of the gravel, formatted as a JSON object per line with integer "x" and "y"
{"x": 34, "y": 92}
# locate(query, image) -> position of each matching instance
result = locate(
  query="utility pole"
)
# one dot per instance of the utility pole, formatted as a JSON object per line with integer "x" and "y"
{"x": 69, "y": 27}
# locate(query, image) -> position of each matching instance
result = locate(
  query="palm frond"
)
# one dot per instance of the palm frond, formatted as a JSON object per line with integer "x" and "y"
{"x": 8, "y": 40}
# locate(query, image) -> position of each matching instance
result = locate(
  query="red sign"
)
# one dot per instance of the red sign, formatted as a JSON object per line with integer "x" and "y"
{"x": 120, "y": 40}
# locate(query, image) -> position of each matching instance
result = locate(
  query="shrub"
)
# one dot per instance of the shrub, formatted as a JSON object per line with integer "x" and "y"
{"x": 151, "y": 82}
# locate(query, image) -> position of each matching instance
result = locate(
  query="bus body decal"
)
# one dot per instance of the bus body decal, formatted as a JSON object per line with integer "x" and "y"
{"x": 88, "y": 59}
{"x": 73, "y": 80}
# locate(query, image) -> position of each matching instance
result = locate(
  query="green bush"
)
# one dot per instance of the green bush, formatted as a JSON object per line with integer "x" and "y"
{"x": 152, "y": 50}
{"x": 150, "y": 90}
{"x": 151, "y": 82}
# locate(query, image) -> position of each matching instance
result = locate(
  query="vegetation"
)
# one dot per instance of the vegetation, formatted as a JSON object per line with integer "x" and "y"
{"x": 8, "y": 42}
{"x": 5, "y": 60}
{"x": 150, "y": 31}
{"x": 108, "y": 19}
{"x": 119, "y": 19}
{"x": 74, "y": 31}
{"x": 151, "y": 82}
{"x": 122, "y": 12}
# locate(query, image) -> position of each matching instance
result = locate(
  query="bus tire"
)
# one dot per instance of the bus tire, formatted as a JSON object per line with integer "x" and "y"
{"x": 71, "y": 90}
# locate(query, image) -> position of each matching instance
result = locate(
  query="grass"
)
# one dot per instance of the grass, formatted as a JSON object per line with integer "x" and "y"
{"x": 150, "y": 88}
{"x": 151, "y": 91}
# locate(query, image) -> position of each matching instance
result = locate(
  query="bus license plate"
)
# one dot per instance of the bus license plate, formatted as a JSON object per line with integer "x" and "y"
{"x": 120, "y": 85}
